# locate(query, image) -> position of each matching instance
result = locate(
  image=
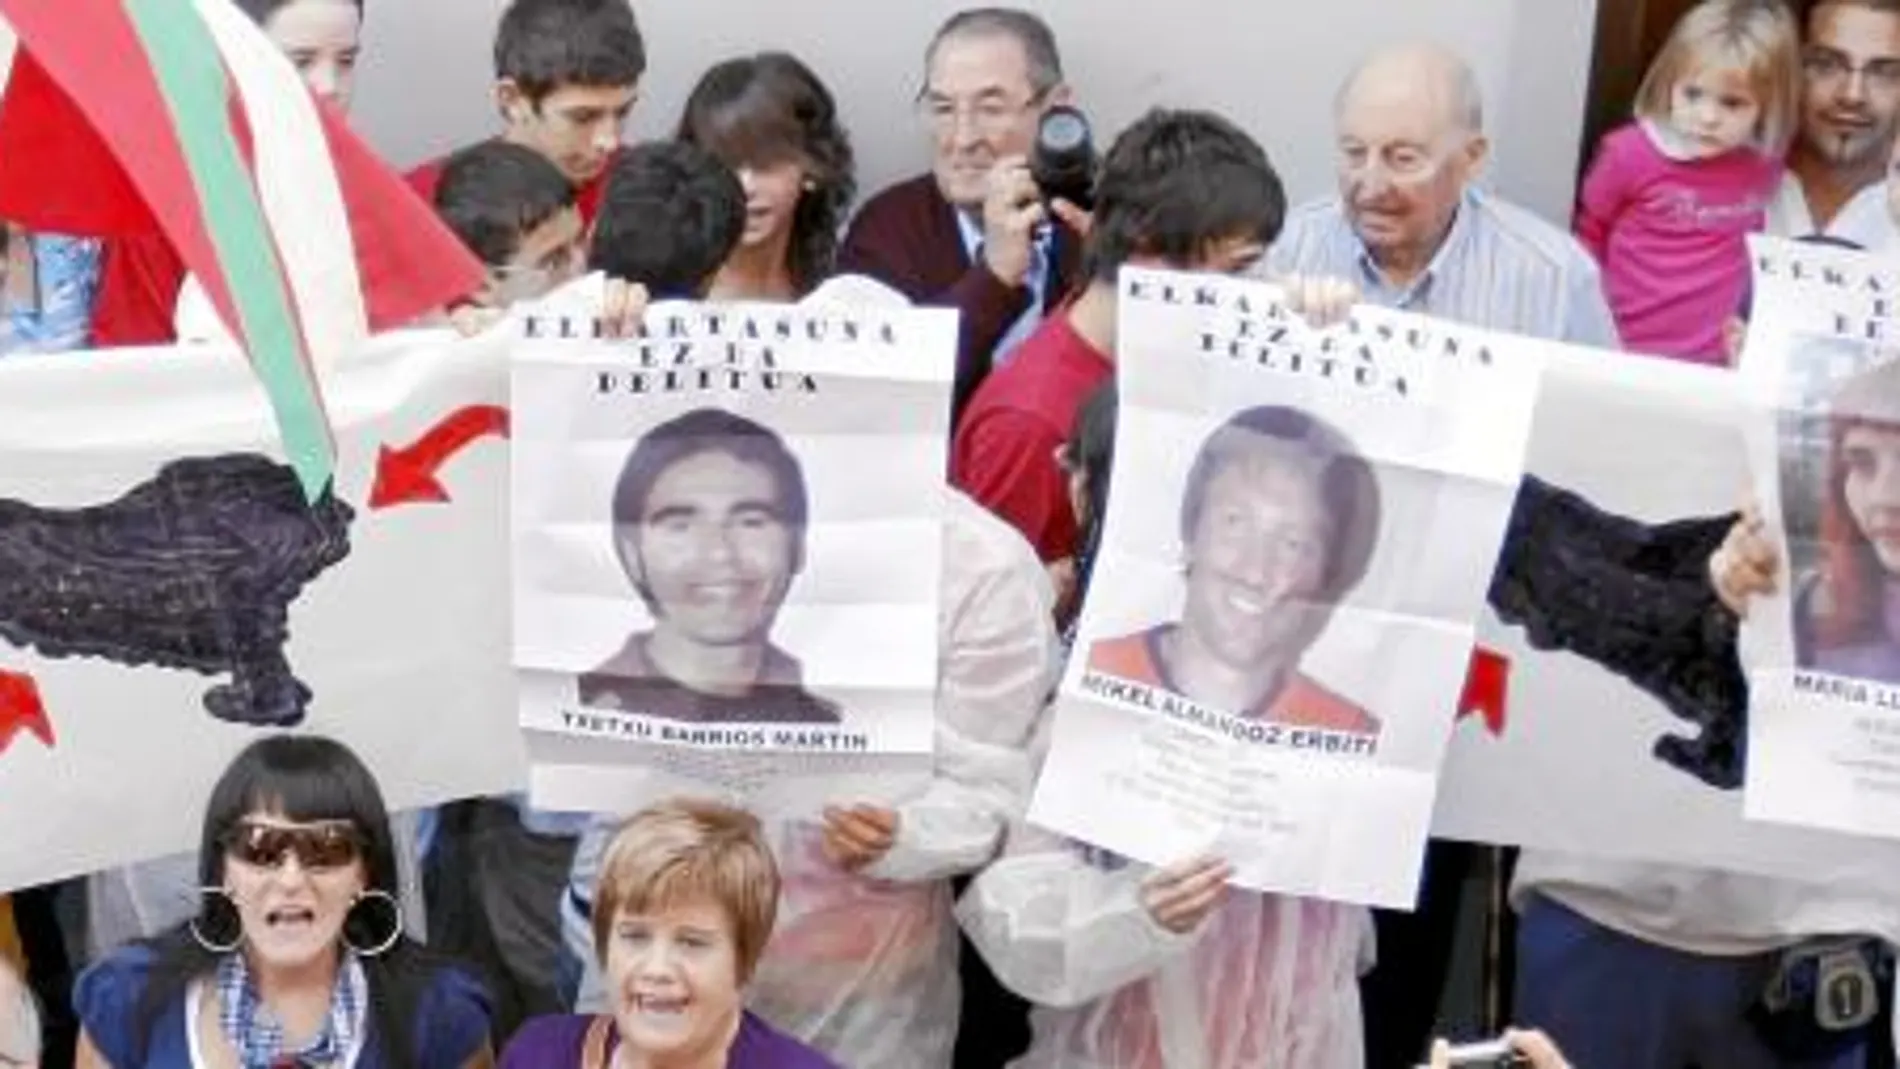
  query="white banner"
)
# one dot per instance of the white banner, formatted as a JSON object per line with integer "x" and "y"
{"x": 1824, "y": 652}
{"x": 727, "y": 550}
{"x": 1299, "y": 534}
{"x": 1567, "y": 753}
{"x": 167, "y": 595}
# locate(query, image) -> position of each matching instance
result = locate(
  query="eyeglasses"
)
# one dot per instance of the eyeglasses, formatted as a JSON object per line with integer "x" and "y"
{"x": 1827, "y": 65}
{"x": 988, "y": 117}
{"x": 330, "y": 845}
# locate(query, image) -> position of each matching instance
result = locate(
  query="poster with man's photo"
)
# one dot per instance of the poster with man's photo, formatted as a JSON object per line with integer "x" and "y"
{"x": 1300, "y": 528}
{"x": 727, "y": 549}
{"x": 1823, "y": 651}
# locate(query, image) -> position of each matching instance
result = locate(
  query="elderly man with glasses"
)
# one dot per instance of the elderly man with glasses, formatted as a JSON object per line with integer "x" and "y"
{"x": 1411, "y": 229}
{"x": 975, "y": 234}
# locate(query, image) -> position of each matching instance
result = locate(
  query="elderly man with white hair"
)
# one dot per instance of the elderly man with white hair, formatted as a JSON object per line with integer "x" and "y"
{"x": 1412, "y": 229}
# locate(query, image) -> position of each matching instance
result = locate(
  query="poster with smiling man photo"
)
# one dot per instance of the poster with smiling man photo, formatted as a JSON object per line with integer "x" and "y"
{"x": 709, "y": 518}
{"x": 728, "y": 551}
{"x": 1278, "y": 521}
{"x": 1300, "y": 527}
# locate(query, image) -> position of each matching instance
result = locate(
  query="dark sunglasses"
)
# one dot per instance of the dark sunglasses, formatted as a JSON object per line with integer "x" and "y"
{"x": 317, "y": 846}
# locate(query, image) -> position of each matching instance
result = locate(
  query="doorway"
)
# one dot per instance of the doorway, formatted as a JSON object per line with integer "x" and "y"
{"x": 1629, "y": 34}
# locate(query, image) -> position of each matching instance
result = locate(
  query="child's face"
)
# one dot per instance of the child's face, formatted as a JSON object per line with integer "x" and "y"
{"x": 1715, "y": 108}
{"x": 548, "y": 257}
{"x": 578, "y": 127}
{"x": 321, "y": 37}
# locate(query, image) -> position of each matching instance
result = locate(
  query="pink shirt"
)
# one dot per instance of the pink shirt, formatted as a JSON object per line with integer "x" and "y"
{"x": 1670, "y": 235}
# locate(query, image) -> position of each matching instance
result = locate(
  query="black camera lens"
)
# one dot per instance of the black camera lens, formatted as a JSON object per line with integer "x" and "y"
{"x": 1064, "y": 131}
{"x": 1064, "y": 162}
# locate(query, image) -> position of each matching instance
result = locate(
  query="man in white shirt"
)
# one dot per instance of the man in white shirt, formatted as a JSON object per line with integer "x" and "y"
{"x": 1850, "y": 104}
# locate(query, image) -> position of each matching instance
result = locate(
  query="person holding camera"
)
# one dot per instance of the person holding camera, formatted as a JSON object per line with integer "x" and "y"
{"x": 977, "y": 233}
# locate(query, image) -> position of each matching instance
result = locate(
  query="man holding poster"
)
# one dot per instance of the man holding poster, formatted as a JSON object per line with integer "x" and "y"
{"x": 709, "y": 519}
{"x": 1278, "y": 520}
{"x": 1241, "y": 563}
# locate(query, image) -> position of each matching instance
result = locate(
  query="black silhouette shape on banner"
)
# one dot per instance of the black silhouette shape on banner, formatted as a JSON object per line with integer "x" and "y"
{"x": 195, "y": 569}
{"x": 1635, "y": 599}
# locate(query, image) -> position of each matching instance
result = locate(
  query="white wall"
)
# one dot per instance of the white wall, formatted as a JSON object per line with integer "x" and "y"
{"x": 1272, "y": 65}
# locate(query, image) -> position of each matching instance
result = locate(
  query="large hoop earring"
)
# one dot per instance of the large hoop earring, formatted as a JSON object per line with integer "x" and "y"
{"x": 208, "y": 898}
{"x": 395, "y": 926}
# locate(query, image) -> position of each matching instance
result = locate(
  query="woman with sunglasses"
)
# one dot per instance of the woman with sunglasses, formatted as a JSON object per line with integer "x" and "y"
{"x": 297, "y": 955}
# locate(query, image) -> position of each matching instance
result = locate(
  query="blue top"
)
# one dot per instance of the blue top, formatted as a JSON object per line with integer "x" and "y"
{"x": 1499, "y": 267}
{"x": 451, "y": 1027}
{"x": 68, "y": 277}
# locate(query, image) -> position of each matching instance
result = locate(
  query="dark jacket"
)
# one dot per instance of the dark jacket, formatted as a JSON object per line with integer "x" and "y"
{"x": 907, "y": 238}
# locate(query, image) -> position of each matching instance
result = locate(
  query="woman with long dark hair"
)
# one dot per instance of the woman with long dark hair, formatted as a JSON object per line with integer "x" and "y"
{"x": 771, "y": 120}
{"x": 296, "y": 955}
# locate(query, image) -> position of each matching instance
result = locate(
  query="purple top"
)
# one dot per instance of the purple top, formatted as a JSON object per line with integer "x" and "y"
{"x": 555, "y": 1042}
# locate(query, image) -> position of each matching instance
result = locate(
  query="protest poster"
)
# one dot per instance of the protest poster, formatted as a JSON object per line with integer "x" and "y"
{"x": 727, "y": 545}
{"x": 1557, "y": 750}
{"x": 1298, "y": 536}
{"x": 168, "y": 593}
{"x": 1823, "y": 385}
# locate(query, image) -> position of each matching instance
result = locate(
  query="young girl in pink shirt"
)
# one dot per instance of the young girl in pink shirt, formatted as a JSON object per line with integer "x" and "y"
{"x": 1669, "y": 199}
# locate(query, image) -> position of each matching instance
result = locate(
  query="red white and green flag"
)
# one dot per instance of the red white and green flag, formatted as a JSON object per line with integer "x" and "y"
{"x": 124, "y": 118}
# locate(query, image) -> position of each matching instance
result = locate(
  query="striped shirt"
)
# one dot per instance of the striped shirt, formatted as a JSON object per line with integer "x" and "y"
{"x": 1499, "y": 267}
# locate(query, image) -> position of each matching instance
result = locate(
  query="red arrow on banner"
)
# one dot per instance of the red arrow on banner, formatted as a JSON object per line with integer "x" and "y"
{"x": 22, "y": 710}
{"x": 1487, "y": 687}
{"x": 409, "y": 475}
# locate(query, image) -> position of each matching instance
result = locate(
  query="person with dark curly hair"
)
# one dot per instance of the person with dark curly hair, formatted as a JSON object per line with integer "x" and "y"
{"x": 771, "y": 120}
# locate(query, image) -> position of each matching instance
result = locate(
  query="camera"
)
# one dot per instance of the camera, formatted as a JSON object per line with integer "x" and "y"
{"x": 1490, "y": 1054}
{"x": 1064, "y": 161}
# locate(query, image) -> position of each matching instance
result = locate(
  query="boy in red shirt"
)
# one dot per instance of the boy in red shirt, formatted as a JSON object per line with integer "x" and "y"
{"x": 567, "y": 75}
